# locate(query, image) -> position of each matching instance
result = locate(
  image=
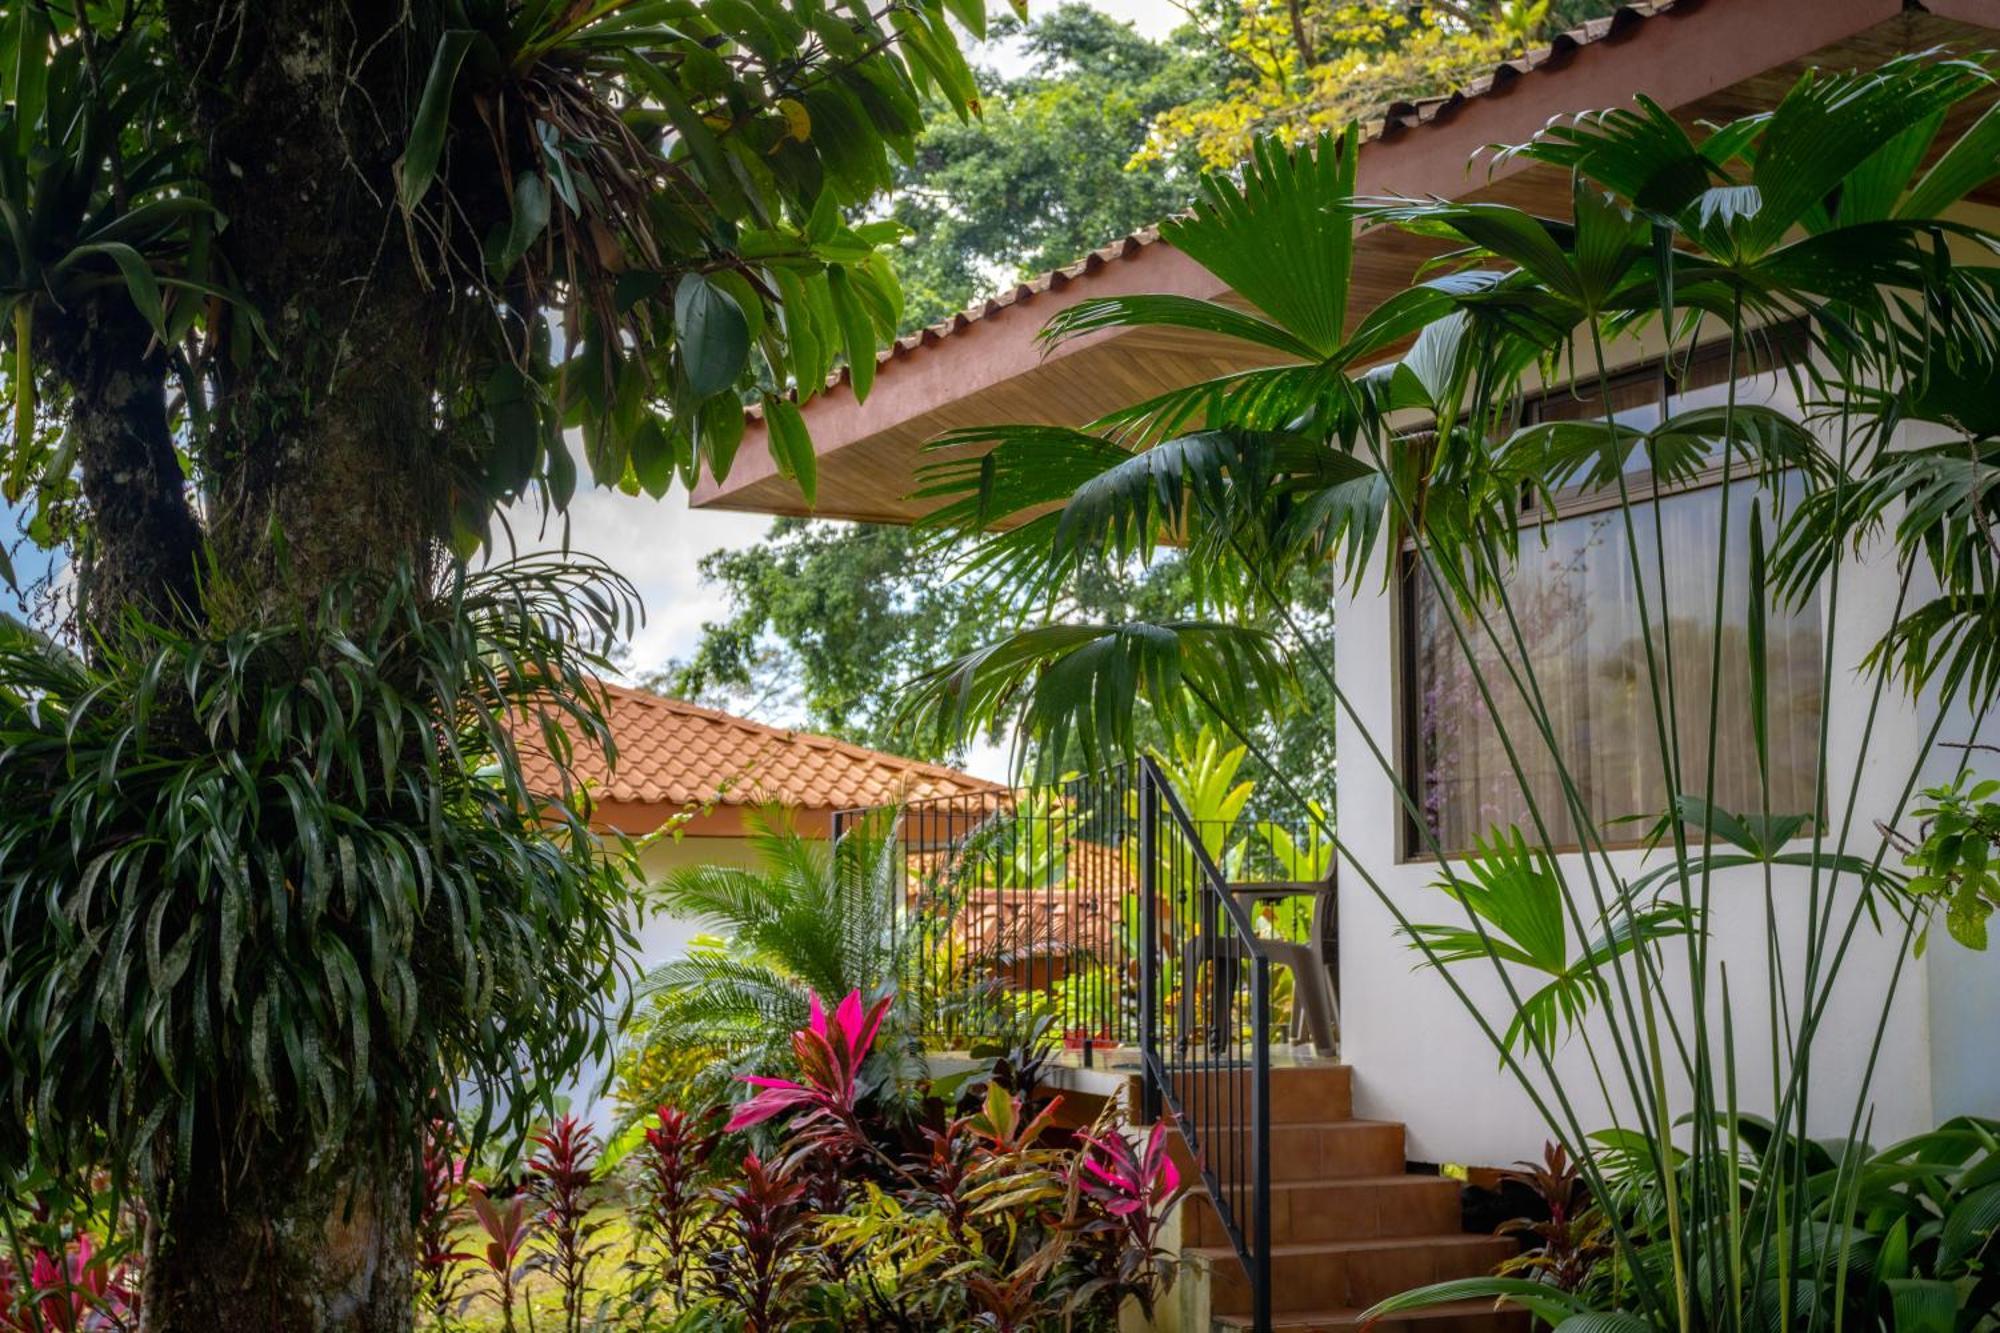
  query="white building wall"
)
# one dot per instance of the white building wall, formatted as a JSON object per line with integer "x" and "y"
{"x": 1421, "y": 1058}
{"x": 661, "y": 937}
{"x": 1962, "y": 988}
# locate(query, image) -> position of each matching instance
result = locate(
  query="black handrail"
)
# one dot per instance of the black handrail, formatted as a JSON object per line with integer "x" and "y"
{"x": 1199, "y": 1067}
{"x": 1057, "y": 900}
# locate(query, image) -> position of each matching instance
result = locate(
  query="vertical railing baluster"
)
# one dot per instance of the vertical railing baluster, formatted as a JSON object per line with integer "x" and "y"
{"x": 1149, "y": 949}
{"x": 1260, "y": 1141}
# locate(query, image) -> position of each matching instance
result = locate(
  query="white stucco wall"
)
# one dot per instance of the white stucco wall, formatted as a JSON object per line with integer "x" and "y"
{"x": 661, "y": 937}
{"x": 1962, "y": 988}
{"x": 1420, "y": 1058}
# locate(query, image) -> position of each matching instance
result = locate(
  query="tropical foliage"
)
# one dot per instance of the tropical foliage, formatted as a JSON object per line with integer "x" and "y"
{"x": 982, "y": 1212}
{"x": 1396, "y": 429}
{"x": 1046, "y": 174}
{"x": 289, "y": 984}
{"x": 1299, "y": 67}
{"x": 298, "y": 295}
{"x": 813, "y": 918}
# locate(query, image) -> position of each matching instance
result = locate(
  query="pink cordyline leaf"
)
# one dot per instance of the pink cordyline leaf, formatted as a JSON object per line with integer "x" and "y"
{"x": 507, "y": 1228}
{"x": 817, "y": 1021}
{"x": 1124, "y": 1181}
{"x": 776, "y": 1096}
{"x": 73, "y": 1294}
{"x": 830, "y": 1053}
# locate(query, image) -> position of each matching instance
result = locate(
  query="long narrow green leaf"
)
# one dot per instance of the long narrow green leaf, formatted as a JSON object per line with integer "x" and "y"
{"x": 421, "y": 154}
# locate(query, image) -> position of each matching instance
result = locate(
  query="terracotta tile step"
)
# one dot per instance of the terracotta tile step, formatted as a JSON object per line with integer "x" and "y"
{"x": 1357, "y": 1208}
{"x": 1311, "y": 1093}
{"x": 1456, "y": 1317}
{"x": 1339, "y": 1275}
{"x": 1324, "y": 1150}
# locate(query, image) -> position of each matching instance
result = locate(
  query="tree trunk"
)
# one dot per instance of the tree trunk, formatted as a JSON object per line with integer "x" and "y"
{"x": 267, "y": 1247}
{"x": 326, "y": 460}
{"x": 144, "y": 538}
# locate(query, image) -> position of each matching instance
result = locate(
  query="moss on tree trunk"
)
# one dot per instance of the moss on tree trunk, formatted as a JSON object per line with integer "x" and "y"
{"x": 263, "y": 1244}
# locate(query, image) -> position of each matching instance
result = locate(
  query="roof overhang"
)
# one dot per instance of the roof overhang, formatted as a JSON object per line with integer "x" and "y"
{"x": 1711, "y": 60}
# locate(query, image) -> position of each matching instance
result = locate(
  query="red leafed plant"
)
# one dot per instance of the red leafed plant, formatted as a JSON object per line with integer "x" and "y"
{"x": 80, "y": 1293}
{"x": 763, "y": 1228}
{"x": 440, "y": 1266}
{"x": 675, "y": 1165}
{"x": 508, "y": 1227}
{"x": 563, "y": 1180}
{"x": 830, "y": 1053}
{"x": 1135, "y": 1187}
{"x": 1573, "y": 1239}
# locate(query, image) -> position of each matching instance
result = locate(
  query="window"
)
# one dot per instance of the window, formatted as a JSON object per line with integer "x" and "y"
{"x": 1573, "y": 593}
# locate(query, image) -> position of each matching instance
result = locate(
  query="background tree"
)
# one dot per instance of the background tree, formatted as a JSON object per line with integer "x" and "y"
{"x": 830, "y": 623}
{"x": 296, "y": 295}
{"x": 1046, "y": 174}
{"x": 1298, "y": 67}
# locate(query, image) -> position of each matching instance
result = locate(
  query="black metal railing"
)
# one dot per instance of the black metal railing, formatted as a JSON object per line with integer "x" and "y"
{"x": 1099, "y": 908}
{"x": 1206, "y": 1055}
{"x": 1017, "y": 911}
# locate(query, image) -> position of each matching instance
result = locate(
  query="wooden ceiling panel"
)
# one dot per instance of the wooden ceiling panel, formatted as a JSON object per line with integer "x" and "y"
{"x": 993, "y": 371}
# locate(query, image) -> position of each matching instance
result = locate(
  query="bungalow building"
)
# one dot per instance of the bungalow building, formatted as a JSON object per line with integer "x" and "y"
{"x": 688, "y": 777}
{"x": 1412, "y": 1057}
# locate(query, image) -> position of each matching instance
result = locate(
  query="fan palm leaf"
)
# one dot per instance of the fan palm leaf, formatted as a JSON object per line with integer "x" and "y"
{"x": 810, "y": 918}
{"x": 1514, "y": 890}
{"x": 1269, "y": 240}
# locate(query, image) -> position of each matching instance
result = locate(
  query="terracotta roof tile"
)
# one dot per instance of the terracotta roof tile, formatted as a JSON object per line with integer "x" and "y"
{"x": 1396, "y": 118}
{"x": 670, "y": 752}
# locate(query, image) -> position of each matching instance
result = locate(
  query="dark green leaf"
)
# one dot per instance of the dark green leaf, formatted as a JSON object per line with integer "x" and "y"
{"x": 419, "y": 163}
{"x": 713, "y": 335}
{"x": 791, "y": 446}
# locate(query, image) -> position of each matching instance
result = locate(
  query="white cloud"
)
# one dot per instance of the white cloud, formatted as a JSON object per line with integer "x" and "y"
{"x": 1154, "y": 18}
{"x": 657, "y": 544}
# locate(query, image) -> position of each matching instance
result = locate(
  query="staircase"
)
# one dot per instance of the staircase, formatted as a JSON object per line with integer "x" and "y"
{"x": 1349, "y": 1226}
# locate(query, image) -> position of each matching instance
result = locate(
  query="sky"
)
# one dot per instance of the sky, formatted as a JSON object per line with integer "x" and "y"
{"x": 1154, "y": 18}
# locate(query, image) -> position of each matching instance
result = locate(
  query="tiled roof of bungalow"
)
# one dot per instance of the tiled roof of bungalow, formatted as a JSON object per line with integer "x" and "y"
{"x": 674, "y": 753}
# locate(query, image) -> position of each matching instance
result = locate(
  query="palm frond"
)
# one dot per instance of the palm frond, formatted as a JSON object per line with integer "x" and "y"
{"x": 1281, "y": 239}
{"x": 1077, "y": 688}
{"x": 1830, "y": 124}
{"x": 1512, "y": 888}
{"x": 812, "y": 917}
{"x": 1180, "y": 312}
{"x": 1640, "y": 151}
{"x": 1292, "y": 397}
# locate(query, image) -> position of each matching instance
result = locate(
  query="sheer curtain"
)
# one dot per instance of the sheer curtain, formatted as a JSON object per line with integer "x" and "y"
{"x": 1583, "y": 652}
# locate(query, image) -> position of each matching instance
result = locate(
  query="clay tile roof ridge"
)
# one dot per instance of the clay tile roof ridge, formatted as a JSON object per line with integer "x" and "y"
{"x": 807, "y": 739}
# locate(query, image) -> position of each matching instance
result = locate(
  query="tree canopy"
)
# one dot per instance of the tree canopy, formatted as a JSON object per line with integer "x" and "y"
{"x": 1299, "y": 67}
{"x": 1047, "y": 172}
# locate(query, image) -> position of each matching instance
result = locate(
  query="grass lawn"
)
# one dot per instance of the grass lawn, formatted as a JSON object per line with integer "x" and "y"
{"x": 537, "y": 1300}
